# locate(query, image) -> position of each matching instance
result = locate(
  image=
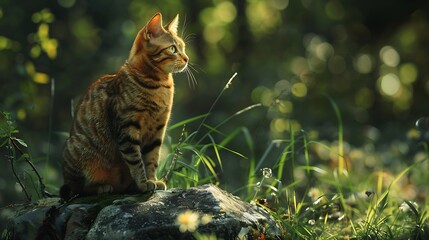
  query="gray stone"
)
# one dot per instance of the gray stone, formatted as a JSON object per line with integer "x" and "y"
{"x": 205, "y": 210}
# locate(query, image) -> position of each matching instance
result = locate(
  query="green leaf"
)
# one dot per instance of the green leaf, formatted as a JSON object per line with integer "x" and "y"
{"x": 20, "y": 141}
{"x": 413, "y": 208}
{"x": 186, "y": 121}
{"x": 187, "y": 166}
{"x": 232, "y": 151}
{"x": 183, "y": 176}
{"x": 7, "y": 125}
{"x": 216, "y": 150}
{"x": 230, "y": 137}
{"x": 384, "y": 200}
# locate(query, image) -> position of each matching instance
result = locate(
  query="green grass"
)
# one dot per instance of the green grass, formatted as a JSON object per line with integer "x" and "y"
{"x": 339, "y": 205}
{"x": 309, "y": 200}
{"x": 314, "y": 188}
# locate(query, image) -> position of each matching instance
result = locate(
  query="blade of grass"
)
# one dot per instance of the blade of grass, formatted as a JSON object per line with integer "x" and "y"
{"x": 312, "y": 168}
{"x": 213, "y": 130}
{"x": 341, "y": 163}
{"x": 51, "y": 109}
{"x": 228, "y": 119}
{"x": 182, "y": 175}
{"x": 282, "y": 161}
{"x": 187, "y": 121}
{"x": 292, "y": 144}
{"x": 215, "y": 102}
{"x": 231, "y": 136}
{"x": 306, "y": 157}
{"x": 265, "y": 154}
{"x": 231, "y": 151}
{"x": 413, "y": 208}
{"x": 187, "y": 166}
{"x": 215, "y": 149}
{"x": 208, "y": 162}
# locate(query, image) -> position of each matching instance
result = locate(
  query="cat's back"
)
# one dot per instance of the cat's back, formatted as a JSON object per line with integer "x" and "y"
{"x": 91, "y": 114}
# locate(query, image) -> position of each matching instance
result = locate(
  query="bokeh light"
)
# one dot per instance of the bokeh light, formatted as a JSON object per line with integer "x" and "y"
{"x": 389, "y": 56}
{"x": 334, "y": 10}
{"x": 363, "y": 63}
{"x": 299, "y": 90}
{"x": 408, "y": 73}
{"x": 262, "y": 17}
{"x": 225, "y": 12}
{"x": 389, "y": 84}
{"x": 279, "y": 4}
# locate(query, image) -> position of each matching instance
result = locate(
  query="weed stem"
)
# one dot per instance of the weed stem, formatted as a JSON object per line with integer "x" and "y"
{"x": 12, "y": 158}
{"x": 214, "y": 104}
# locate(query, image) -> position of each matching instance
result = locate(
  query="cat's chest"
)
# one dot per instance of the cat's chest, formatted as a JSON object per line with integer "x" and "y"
{"x": 160, "y": 101}
{"x": 163, "y": 95}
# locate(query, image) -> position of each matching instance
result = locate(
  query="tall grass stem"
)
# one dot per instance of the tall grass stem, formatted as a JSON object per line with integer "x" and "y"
{"x": 214, "y": 103}
{"x": 51, "y": 109}
{"x": 341, "y": 163}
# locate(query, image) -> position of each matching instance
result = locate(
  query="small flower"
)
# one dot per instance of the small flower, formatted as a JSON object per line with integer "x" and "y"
{"x": 206, "y": 219}
{"x": 311, "y": 221}
{"x": 257, "y": 186}
{"x": 267, "y": 172}
{"x": 405, "y": 207}
{"x": 314, "y": 193}
{"x": 188, "y": 221}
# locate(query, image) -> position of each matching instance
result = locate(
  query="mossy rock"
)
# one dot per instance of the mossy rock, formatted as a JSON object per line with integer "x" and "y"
{"x": 145, "y": 217}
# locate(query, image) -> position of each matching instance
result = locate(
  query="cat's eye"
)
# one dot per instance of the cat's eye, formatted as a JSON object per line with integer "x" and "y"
{"x": 172, "y": 49}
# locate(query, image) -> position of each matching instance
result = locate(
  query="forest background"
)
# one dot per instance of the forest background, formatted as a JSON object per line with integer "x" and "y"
{"x": 294, "y": 58}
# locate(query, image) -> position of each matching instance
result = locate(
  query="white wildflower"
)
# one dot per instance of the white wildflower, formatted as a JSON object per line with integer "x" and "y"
{"x": 405, "y": 207}
{"x": 206, "y": 219}
{"x": 267, "y": 172}
{"x": 188, "y": 221}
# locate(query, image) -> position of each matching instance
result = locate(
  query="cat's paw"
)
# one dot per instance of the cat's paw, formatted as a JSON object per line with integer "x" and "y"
{"x": 152, "y": 185}
{"x": 160, "y": 185}
{"x": 104, "y": 189}
{"x": 148, "y": 186}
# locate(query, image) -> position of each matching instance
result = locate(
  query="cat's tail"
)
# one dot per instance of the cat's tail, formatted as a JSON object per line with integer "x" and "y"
{"x": 71, "y": 189}
{"x": 66, "y": 192}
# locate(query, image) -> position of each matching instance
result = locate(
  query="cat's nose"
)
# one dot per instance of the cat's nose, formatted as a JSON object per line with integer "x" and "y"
{"x": 185, "y": 58}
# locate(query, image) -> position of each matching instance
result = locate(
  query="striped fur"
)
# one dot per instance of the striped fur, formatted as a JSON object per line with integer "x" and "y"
{"x": 121, "y": 120}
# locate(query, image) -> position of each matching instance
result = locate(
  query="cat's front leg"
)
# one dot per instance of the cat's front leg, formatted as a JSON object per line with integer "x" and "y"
{"x": 150, "y": 155}
{"x": 129, "y": 146}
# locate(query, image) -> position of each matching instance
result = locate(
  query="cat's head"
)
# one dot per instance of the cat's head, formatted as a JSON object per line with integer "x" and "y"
{"x": 159, "y": 47}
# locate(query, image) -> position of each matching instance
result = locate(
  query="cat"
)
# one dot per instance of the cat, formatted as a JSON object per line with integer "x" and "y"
{"x": 120, "y": 122}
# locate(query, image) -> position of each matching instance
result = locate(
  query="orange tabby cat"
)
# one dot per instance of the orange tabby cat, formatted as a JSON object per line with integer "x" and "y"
{"x": 121, "y": 120}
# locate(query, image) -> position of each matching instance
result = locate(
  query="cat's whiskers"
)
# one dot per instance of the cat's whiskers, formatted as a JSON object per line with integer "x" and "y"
{"x": 188, "y": 38}
{"x": 193, "y": 67}
{"x": 192, "y": 80}
{"x": 183, "y": 27}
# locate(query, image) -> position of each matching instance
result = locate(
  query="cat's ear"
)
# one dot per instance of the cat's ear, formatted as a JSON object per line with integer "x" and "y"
{"x": 154, "y": 26}
{"x": 173, "y": 24}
